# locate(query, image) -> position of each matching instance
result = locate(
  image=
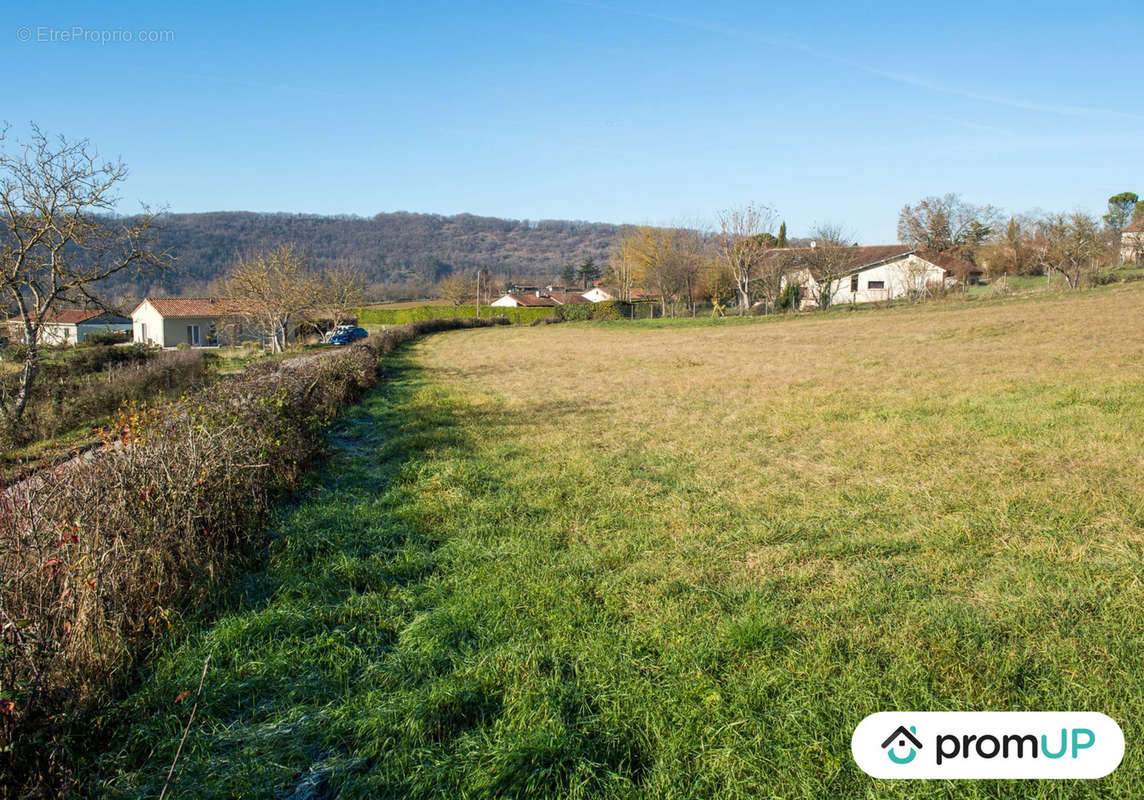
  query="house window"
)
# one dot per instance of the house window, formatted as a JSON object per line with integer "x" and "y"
{"x": 143, "y": 332}
{"x": 876, "y": 285}
{"x": 853, "y": 283}
{"x": 193, "y": 335}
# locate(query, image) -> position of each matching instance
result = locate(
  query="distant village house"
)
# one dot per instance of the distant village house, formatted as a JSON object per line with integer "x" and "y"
{"x": 71, "y": 326}
{"x": 1132, "y": 243}
{"x": 537, "y": 299}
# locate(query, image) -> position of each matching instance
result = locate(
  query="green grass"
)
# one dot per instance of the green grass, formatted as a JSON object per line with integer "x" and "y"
{"x": 395, "y": 316}
{"x": 684, "y": 560}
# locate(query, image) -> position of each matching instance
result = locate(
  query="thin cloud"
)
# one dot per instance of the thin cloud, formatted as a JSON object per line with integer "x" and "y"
{"x": 895, "y": 77}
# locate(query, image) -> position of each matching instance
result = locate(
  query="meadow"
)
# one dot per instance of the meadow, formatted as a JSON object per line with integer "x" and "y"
{"x": 682, "y": 560}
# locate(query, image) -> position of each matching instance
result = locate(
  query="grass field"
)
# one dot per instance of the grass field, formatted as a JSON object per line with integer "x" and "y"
{"x": 684, "y": 560}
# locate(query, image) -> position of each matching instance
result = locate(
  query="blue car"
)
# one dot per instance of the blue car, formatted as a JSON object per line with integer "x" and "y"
{"x": 348, "y": 335}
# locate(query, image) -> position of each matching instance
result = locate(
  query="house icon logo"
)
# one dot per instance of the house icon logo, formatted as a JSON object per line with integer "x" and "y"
{"x": 899, "y": 738}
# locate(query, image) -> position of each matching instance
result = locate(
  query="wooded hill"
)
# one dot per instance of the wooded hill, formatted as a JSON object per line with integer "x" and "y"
{"x": 393, "y": 248}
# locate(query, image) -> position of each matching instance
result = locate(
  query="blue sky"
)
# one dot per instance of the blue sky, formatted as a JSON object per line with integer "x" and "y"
{"x": 621, "y": 112}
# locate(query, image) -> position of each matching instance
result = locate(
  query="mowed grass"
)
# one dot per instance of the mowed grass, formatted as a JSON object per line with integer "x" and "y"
{"x": 683, "y": 561}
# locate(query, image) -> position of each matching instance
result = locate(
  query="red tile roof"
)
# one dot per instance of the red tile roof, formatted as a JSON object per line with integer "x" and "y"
{"x": 861, "y": 258}
{"x": 857, "y": 258}
{"x": 568, "y": 298}
{"x": 191, "y": 306}
{"x": 1136, "y": 227}
{"x": 70, "y": 316}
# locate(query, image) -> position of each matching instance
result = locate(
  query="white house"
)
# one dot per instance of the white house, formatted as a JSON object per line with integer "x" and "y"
{"x": 538, "y": 299}
{"x": 511, "y": 300}
{"x": 197, "y": 321}
{"x": 598, "y": 294}
{"x": 1132, "y": 242}
{"x": 72, "y": 325}
{"x": 871, "y": 274}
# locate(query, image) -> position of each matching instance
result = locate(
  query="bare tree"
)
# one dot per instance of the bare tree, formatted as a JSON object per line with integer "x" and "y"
{"x": 272, "y": 289}
{"x": 624, "y": 261}
{"x": 829, "y": 258}
{"x": 745, "y": 241}
{"x": 1010, "y": 251}
{"x": 60, "y": 238}
{"x": 656, "y": 262}
{"x": 691, "y": 257}
{"x": 456, "y": 288}
{"x": 1072, "y": 244}
{"x": 341, "y": 290}
{"x": 717, "y": 285}
{"x": 948, "y": 224}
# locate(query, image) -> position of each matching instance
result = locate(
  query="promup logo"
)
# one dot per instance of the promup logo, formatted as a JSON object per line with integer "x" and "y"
{"x": 901, "y": 734}
{"x": 990, "y": 744}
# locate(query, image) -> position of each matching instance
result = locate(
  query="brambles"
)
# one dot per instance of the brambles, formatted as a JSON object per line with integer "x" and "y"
{"x": 100, "y": 556}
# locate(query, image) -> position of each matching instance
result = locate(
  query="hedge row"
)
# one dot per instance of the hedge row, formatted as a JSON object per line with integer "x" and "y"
{"x": 98, "y": 558}
{"x": 609, "y": 309}
{"x": 398, "y": 316}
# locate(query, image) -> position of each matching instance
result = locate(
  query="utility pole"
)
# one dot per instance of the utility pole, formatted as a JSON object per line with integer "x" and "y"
{"x": 478, "y": 294}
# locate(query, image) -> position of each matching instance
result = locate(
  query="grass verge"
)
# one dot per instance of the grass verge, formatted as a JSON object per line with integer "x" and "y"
{"x": 684, "y": 561}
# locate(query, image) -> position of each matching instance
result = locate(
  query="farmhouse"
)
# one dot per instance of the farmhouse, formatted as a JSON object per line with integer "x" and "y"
{"x": 1132, "y": 242}
{"x": 872, "y": 273}
{"x": 197, "y": 321}
{"x": 71, "y": 325}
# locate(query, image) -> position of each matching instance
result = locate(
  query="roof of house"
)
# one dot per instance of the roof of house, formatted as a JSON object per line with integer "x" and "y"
{"x": 856, "y": 258}
{"x": 566, "y": 298}
{"x": 72, "y": 316}
{"x": 191, "y": 306}
{"x": 531, "y": 300}
{"x": 636, "y": 294}
{"x": 1136, "y": 227}
{"x": 868, "y": 256}
{"x": 949, "y": 262}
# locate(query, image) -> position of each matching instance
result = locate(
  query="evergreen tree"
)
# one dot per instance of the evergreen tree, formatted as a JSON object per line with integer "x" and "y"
{"x": 782, "y": 240}
{"x": 588, "y": 272}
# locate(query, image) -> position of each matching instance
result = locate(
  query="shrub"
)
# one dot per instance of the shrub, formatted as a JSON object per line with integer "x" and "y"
{"x": 607, "y": 310}
{"x": 789, "y": 298}
{"x": 15, "y": 351}
{"x": 108, "y": 337}
{"x": 398, "y": 316}
{"x": 84, "y": 360}
{"x": 97, "y": 558}
{"x": 574, "y": 313}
